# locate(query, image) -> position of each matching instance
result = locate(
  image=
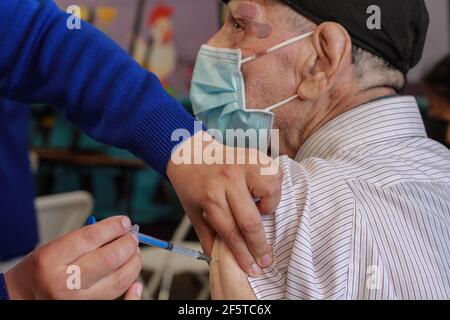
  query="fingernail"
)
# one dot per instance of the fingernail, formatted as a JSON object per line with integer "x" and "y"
{"x": 255, "y": 270}
{"x": 139, "y": 288}
{"x": 266, "y": 261}
{"x": 126, "y": 223}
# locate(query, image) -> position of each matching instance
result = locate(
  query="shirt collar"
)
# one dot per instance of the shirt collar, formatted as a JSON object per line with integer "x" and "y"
{"x": 377, "y": 121}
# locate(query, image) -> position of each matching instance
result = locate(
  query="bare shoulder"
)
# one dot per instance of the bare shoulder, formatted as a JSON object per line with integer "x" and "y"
{"x": 227, "y": 280}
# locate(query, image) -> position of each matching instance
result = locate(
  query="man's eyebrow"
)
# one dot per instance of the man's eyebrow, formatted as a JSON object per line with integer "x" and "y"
{"x": 253, "y": 15}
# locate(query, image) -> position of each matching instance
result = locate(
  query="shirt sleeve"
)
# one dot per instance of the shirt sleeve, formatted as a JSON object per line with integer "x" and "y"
{"x": 89, "y": 78}
{"x": 310, "y": 234}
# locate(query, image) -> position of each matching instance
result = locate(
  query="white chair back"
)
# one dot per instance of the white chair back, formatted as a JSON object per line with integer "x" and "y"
{"x": 62, "y": 213}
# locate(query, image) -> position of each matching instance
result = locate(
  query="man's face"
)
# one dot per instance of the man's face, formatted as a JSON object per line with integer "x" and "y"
{"x": 254, "y": 26}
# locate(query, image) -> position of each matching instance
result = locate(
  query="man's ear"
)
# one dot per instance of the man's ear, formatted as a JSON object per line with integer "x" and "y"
{"x": 332, "y": 45}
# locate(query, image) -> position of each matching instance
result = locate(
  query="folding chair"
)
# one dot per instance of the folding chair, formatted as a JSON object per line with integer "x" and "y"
{"x": 165, "y": 266}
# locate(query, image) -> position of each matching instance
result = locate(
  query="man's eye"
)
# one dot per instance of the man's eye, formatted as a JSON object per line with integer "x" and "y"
{"x": 236, "y": 25}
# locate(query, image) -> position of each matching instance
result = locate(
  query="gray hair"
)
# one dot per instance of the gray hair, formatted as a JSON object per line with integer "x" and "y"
{"x": 373, "y": 71}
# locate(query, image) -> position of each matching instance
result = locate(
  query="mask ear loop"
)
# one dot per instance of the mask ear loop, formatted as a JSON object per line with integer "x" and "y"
{"x": 278, "y": 46}
{"x": 282, "y": 103}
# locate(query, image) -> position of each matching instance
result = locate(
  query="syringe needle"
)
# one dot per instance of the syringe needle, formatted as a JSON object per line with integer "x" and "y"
{"x": 190, "y": 253}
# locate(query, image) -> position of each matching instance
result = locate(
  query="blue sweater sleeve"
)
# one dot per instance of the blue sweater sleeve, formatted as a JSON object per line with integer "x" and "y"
{"x": 95, "y": 83}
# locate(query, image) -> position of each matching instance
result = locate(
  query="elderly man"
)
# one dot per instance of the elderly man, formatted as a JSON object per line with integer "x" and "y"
{"x": 365, "y": 209}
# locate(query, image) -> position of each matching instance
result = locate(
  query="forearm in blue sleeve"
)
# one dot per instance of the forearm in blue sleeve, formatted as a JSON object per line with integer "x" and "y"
{"x": 95, "y": 83}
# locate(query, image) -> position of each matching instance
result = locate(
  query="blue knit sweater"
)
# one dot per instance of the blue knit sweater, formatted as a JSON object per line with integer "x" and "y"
{"x": 91, "y": 80}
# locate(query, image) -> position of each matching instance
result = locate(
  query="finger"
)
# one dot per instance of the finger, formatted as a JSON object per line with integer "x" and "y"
{"x": 221, "y": 219}
{"x": 117, "y": 283}
{"x": 135, "y": 292}
{"x": 101, "y": 262}
{"x": 267, "y": 189}
{"x": 249, "y": 222}
{"x": 204, "y": 231}
{"x": 78, "y": 243}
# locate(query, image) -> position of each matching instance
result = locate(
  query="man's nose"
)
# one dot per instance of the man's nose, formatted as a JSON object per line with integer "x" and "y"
{"x": 219, "y": 41}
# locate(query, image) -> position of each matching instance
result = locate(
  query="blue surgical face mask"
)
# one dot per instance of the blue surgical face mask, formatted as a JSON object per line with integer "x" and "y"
{"x": 218, "y": 90}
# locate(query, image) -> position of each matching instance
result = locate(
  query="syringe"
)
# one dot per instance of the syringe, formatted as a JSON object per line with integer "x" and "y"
{"x": 166, "y": 245}
{"x": 169, "y": 246}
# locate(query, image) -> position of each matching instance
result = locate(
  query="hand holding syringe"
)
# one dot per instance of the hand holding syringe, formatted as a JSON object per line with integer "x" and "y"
{"x": 166, "y": 245}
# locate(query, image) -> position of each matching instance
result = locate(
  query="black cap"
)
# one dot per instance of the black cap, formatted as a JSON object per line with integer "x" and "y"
{"x": 404, "y": 25}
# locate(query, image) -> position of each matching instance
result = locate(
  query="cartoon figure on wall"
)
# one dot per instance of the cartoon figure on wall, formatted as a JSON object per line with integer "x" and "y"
{"x": 158, "y": 54}
{"x": 162, "y": 57}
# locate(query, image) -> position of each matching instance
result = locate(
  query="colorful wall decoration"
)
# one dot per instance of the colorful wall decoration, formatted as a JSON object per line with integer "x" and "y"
{"x": 162, "y": 35}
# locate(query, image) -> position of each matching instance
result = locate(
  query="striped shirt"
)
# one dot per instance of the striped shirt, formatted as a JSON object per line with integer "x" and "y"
{"x": 365, "y": 211}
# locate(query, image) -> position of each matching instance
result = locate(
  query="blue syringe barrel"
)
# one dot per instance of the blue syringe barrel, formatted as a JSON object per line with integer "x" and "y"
{"x": 154, "y": 242}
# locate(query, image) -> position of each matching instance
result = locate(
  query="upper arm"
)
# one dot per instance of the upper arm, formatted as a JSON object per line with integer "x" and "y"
{"x": 227, "y": 280}
{"x": 311, "y": 236}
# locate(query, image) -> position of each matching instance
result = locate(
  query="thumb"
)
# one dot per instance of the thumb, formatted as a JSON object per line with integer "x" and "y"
{"x": 134, "y": 292}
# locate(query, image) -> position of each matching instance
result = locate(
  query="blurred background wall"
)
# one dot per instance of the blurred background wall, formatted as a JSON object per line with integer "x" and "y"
{"x": 438, "y": 42}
